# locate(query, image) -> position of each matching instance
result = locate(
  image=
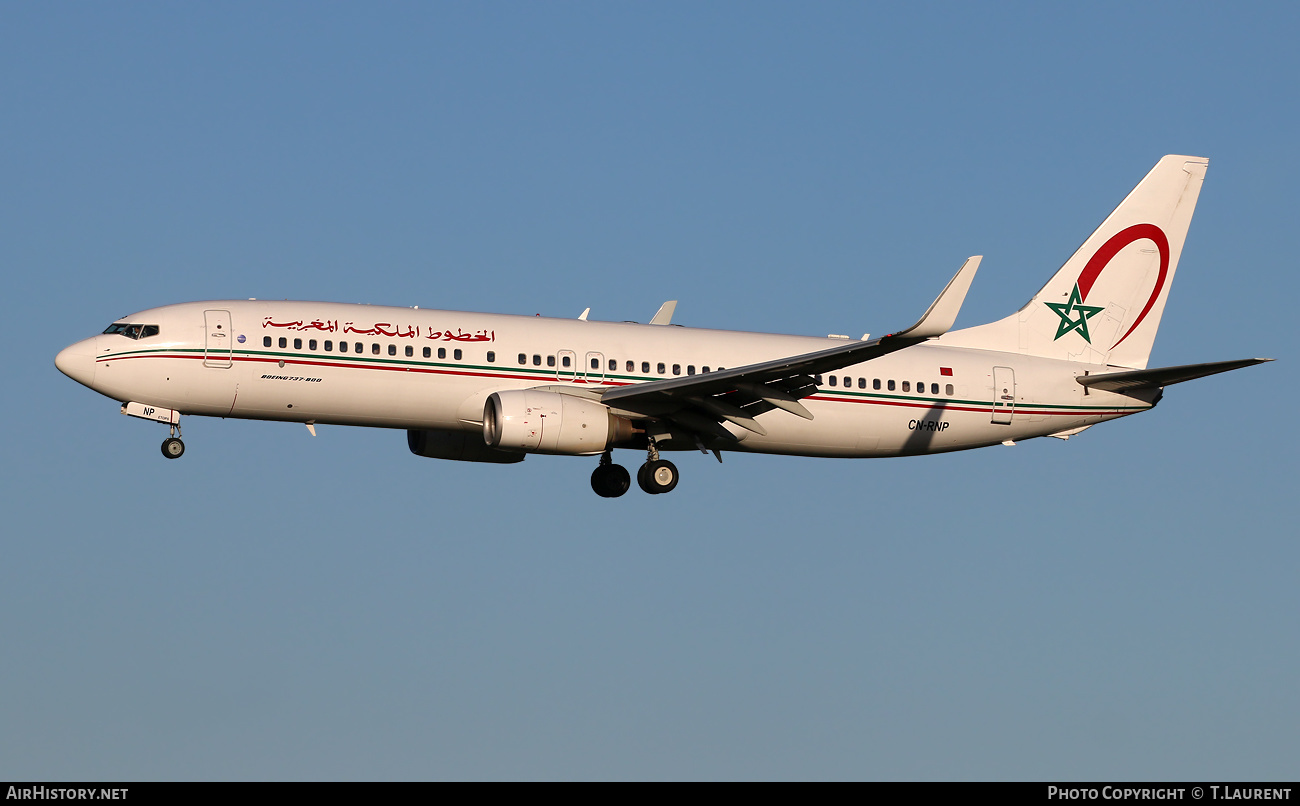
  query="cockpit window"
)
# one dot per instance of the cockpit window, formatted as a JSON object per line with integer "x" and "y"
{"x": 131, "y": 331}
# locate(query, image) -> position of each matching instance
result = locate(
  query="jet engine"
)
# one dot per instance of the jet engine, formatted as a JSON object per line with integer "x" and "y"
{"x": 547, "y": 422}
{"x": 460, "y": 446}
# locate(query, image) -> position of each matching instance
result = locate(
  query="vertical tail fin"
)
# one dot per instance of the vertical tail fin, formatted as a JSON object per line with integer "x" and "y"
{"x": 1105, "y": 303}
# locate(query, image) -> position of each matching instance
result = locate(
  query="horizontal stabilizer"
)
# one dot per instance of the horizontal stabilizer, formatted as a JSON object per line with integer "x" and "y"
{"x": 1163, "y": 376}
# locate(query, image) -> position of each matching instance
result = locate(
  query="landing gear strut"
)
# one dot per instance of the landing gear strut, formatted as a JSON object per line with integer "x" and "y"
{"x": 172, "y": 447}
{"x": 608, "y": 479}
{"x": 657, "y": 475}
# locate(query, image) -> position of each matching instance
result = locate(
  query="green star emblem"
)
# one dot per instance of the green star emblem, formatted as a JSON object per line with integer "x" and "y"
{"x": 1067, "y": 310}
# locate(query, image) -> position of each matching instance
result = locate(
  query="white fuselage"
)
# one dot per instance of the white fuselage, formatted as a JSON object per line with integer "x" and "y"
{"x": 430, "y": 369}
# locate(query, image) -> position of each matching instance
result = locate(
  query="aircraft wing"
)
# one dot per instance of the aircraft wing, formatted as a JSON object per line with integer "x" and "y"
{"x": 698, "y": 403}
{"x": 1163, "y": 376}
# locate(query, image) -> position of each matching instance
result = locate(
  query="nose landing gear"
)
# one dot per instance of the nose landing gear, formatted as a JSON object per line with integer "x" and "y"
{"x": 172, "y": 447}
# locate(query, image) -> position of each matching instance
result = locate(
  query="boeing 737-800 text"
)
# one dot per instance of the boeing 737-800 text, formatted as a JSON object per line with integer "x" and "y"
{"x": 494, "y": 388}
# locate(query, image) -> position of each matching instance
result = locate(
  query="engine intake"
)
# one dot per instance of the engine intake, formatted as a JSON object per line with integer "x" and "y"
{"x": 547, "y": 422}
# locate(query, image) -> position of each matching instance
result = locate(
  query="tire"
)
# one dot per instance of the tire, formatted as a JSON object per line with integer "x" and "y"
{"x": 173, "y": 448}
{"x": 658, "y": 477}
{"x": 610, "y": 481}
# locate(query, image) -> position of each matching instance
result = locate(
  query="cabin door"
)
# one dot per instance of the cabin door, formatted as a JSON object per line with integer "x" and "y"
{"x": 1004, "y": 395}
{"x": 217, "y": 339}
{"x": 566, "y": 368}
{"x": 595, "y": 368}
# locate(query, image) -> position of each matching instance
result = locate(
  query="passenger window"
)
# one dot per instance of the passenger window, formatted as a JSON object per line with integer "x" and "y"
{"x": 297, "y": 344}
{"x": 934, "y": 388}
{"x": 329, "y": 346}
{"x": 690, "y": 369}
{"x": 661, "y": 368}
{"x": 283, "y": 342}
{"x": 266, "y": 341}
{"x": 875, "y": 384}
{"x": 847, "y": 382}
{"x": 374, "y": 348}
{"x": 565, "y": 360}
{"x": 392, "y": 349}
{"x": 947, "y": 390}
{"x": 491, "y": 357}
{"x": 537, "y": 360}
{"x": 645, "y": 367}
{"x": 862, "y": 383}
{"x": 523, "y": 359}
{"x": 427, "y": 352}
{"x": 442, "y": 352}
{"x": 456, "y": 354}
{"x": 920, "y": 387}
{"x": 311, "y": 344}
{"x": 832, "y": 379}
{"x": 631, "y": 365}
{"x": 907, "y": 386}
{"x": 410, "y": 351}
{"x": 677, "y": 369}
{"x": 891, "y": 385}
{"x": 818, "y": 379}
{"x": 704, "y": 368}
{"x": 613, "y": 365}
{"x": 550, "y": 360}
{"x": 358, "y": 347}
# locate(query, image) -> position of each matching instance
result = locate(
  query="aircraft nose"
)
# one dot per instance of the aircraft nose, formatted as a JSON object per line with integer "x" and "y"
{"x": 77, "y": 362}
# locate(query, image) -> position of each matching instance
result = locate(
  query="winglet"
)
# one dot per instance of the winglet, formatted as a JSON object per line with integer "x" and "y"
{"x": 583, "y": 316}
{"x": 943, "y": 312}
{"x": 665, "y": 314}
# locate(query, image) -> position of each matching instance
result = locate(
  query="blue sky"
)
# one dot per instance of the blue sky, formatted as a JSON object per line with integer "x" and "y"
{"x": 271, "y": 606}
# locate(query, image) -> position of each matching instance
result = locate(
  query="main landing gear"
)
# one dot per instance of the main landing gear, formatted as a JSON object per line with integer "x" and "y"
{"x": 608, "y": 479}
{"x": 172, "y": 447}
{"x": 655, "y": 476}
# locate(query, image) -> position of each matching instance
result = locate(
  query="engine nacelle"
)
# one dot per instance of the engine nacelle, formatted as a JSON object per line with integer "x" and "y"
{"x": 546, "y": 422}
{"x": 459, "y": 446}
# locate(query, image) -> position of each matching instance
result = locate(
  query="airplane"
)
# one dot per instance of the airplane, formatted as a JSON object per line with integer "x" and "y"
{"x": 478, "y": 387}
